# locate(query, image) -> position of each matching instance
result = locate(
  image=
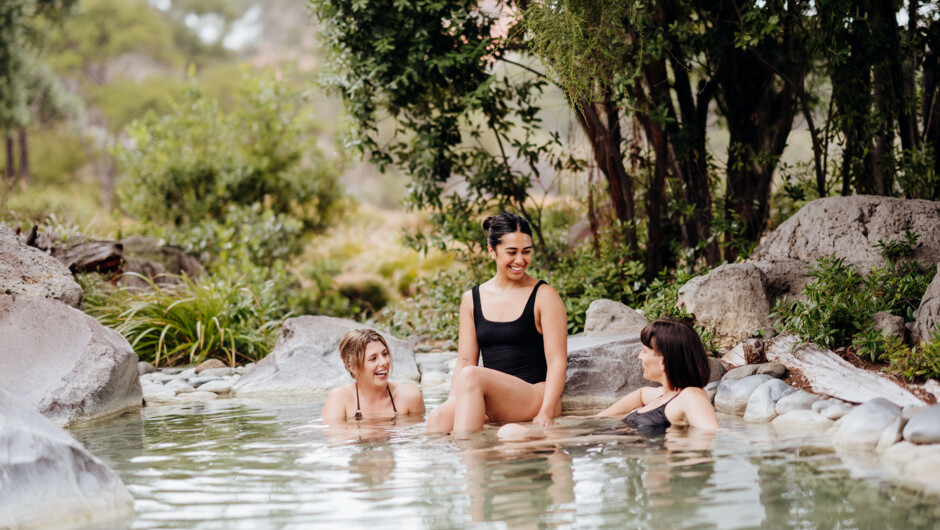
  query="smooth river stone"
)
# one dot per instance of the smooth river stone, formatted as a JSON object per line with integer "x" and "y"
{"x": 800, "y": 420}
{"x": 866, "y": 425}
{"x": 761, "y": 406}
{"x": 772, "y": 369}
{"x": 836, "y": 410}
{"x": 434, "y": 378}
{"x": 740, "y": 372}
{"x": 924, "y": 427}
{"x": 47, "y": 479}
{"x": 711, "y": 389}
{"x": 198, "y": 381}
{"x": 219, "y": 386}
{"x": 732, "y": 396}
{"x": 224, "y": 371}
{"x": 179, "y": 386}
{"x": 915, "y": 463}
{"x": 799, "y": 400}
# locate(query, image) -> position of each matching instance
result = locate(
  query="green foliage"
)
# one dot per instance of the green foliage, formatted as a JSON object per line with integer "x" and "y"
{"x": 435, "y": 312}
{"x": 190, "y": 165}
{"x": 222, "y": 318}
{"x": 921, "y": 363}
{"x": 839, "y": 302}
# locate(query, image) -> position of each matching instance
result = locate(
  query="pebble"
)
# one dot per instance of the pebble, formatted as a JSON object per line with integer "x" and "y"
{"x": 732, "y": 396}
{"x": 217, "y": 372}
{"x": 740, "y": 372}
{"x": 208, "y": 365}
{"x": 196, "y": 396}
{"x": 433, "y": 378}
{"x": 772, "y": 369}
{"x": 924, "y": 427}
{"x": 836, "y": 410}
{"x": 800, "y": 420}
{"x": 219, "y": 386}
{"x": 179, "y": 386}
{"x": 761, "y": 405}
{"x": 799, "y": 400}
{"x": 197, "y": 382}
{"x": 143, "y": 367}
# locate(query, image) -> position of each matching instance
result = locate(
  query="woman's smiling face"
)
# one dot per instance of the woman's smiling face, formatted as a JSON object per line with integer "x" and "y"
{"x": 376, "y": 365}
{"x": 513, "y": 254}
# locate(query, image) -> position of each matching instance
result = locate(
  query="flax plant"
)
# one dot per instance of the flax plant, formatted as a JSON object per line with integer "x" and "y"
{"x": 222, "y": 318}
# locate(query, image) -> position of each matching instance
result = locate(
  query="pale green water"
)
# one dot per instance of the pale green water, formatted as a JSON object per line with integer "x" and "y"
{"x": 251, "y": 464}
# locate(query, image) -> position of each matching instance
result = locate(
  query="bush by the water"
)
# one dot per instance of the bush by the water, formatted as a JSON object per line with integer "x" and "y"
{"x": 224, "y": 318}
{"x": 837, "y": 306}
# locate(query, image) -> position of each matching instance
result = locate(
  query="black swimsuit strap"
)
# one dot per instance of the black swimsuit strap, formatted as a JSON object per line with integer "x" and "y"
{"x": 359, "y": 413}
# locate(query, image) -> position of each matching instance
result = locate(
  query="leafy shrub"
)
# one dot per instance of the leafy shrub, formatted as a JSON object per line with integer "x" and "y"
{"x": 367, "y": 294}
{"x": 225, "y": 318}
{"x": 838, "y": 304}
{"x": 189, "y": 165}
{"x": 921, "y": 363}
{"x": 435, "y": 310}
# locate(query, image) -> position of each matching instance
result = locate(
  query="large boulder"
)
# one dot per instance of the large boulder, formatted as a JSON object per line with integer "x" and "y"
{"x": 849, "y": 227}
{"x": 306, "y": 361}
{"x": 868, "y": 426}
{"x": 63, "y": 362}
{"x": 29, "y": 271}
{"x": 731, "y": 299}
{"x": 928, "y": 313}
{"x": 601, "y": 370}
{"x": 607, "y": 317}
{"x": 49, "y": 479}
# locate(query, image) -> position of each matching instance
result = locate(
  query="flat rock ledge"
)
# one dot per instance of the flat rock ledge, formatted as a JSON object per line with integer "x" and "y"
{"x": 48, "y": 479}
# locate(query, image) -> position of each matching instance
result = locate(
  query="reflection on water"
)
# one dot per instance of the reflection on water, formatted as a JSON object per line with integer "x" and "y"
{"x": 251, "y": 464}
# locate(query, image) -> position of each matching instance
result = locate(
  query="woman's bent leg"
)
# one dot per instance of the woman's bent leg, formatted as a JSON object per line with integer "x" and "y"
{"x": 482, "y": 392}
{"x": 441, "y": 419}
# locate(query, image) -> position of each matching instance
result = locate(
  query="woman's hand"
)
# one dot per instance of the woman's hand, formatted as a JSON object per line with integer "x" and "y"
{"x": 543, "y": 420}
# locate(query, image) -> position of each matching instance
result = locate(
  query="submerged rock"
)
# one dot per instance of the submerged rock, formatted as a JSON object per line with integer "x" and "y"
{"x": 798, "y": 420}
{"x": 607, "y": 317}
{"x": 761, "y": 406}
{"x": 210, "y": 364}
{"x": 49, "y": 479}
{"x": 732, "y": 396}
{"x": 867, "y": 425}
{"x": 306, "y": 361}
{"x": 924, "y": 427}
{"x": 601, "y": 370}
{"x": 29, "y": 271}
{"x": 63, "y": 362}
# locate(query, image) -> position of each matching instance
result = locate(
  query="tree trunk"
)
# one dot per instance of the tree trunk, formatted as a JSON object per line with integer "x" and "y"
{"x": 605, "y": 141}
{"x": 23, "y": 177}
{"x": 11, "y": 162}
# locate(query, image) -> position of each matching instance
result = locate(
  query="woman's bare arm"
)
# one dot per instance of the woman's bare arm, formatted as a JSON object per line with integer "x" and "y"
{"x": 468, "y": 351}
{"x": 335, "y": 406}
{"x": 698, "y": 410}
{"x": 628, "y": 403}
{"x": 554, "y": 323}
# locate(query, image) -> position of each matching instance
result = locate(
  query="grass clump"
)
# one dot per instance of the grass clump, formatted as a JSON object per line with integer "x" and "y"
{"x": 222, "y": 318}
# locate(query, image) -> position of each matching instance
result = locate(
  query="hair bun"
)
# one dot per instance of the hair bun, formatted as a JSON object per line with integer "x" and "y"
{"x": 487, "y": 222}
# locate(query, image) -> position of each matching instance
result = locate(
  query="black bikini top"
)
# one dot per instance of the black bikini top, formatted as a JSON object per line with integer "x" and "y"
{"x": 359, "y": 413}
{"x": 650, "y": 422}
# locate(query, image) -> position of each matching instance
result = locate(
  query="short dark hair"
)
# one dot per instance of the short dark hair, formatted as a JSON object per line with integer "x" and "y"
{"x": 683, "y": 353}
{"x": 505, "y": 223}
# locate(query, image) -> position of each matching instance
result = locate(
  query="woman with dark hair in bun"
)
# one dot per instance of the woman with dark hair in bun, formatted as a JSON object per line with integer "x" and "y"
{"x": 519, "y": 325}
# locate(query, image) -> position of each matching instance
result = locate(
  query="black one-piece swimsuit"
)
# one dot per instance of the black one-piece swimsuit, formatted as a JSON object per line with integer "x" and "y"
{"x": 652, "y": 421}
{"x": 516, "y": 347}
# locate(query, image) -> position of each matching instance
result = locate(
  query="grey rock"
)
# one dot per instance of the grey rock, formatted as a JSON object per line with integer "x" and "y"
{"x": 186, "y": 373}
{"x": 607, "y": 317}
{"x": 179, "y": 386}
{"x": 217, "y": 372}
{"x": 209, "y": 364}
{"x": 849, "y": 227}
{"x": 800, "y": 420}
{"x": 761, "y": 406}
{"x": 197, "y": 382}
{"x": 434, "y": 378}
{"x": 772, "y": 369}
{"x": 732, "y": 396}
{"x": 864, "y": 426}
{"x": 836, "y": 410}
{"x": 740, "y": 372}
{"x": 63, "y": 362}
{"x": 711, "y": 389}
{"x": 783, "y": 278}
{"x": 219, "y": 386}
{"x": 730, "y": 299}
{"x": 924, "y": 427}
{"x": 716, "y": 370}
{"x": 48, "y": 479}
{"x": 423, "y": 348}
{"x": 29, "y": 271}
{"x": 156, "y": 377}
{"x": 890, "y": 436}
{"x": 799, "y": 400}
{"x": 143, "y": 367}
{"x": 821, "y": 404}
{"x": 889, "y": 325}
{"x": 910, "y": 411}
{"x": 306, "y": 361}
{"x": 927, "y": 320}
{"x": 600, "y": 370}
{"x": 198, "y": 395}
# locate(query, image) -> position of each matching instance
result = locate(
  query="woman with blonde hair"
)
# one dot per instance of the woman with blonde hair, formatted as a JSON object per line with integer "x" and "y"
{"x": 367, "y": 359}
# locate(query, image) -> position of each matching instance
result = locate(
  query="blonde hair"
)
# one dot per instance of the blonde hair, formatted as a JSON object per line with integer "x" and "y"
{"x": 352, "y": 349}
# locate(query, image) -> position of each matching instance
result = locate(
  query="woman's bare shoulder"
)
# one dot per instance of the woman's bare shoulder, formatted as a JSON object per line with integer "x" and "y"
{"x": 342, "y": 392}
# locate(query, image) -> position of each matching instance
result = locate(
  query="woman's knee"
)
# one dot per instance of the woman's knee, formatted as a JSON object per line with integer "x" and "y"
{"x": 470, "y": 379}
